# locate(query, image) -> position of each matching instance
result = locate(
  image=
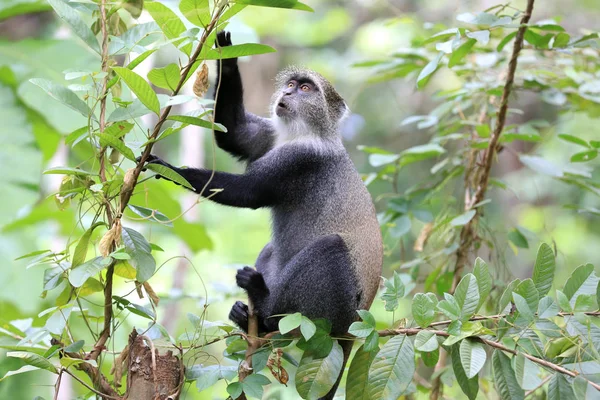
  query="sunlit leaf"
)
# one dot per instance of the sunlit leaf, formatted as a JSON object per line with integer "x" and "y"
{"x": 140, "y": 88}
{"x": 81, "y": 273}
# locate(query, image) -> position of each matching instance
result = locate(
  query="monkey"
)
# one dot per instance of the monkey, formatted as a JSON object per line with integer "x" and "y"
{"x": 325, "y": 256}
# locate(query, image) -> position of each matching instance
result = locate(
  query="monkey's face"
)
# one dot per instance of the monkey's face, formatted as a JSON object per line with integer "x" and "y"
{"x": 299, "y": 98}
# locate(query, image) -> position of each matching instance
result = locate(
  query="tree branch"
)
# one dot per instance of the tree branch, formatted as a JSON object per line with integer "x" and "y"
{"x": 467, "y": 234}
{"x": 491, "y": 343}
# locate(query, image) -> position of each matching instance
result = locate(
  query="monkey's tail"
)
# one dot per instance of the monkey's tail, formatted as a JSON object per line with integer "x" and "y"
{"x": 347, "y": 349}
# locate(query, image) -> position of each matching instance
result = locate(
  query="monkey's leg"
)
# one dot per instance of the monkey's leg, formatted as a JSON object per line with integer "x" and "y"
{"x": 318, "y": 282}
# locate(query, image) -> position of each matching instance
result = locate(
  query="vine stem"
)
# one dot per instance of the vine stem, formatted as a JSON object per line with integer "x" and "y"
{"x": 468, "y": 232}
{"x": 490, "y": 343}
{"x": 127, "y": 190}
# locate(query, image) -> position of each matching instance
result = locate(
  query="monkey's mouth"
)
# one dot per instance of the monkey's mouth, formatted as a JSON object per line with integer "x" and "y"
{"x": 283, "y": 109}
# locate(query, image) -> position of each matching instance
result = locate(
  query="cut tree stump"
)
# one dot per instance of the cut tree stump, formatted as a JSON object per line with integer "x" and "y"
{"x": 152, "y": 378}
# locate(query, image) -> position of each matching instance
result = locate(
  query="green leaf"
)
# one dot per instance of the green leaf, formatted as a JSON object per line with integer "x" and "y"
{"x": 64, "y": 95}
{"x": 559, "y": 388}
{"x": 150, "y": 215}
{"x": 426, "y": 341}
{"x": 523, "y": 307}
{"x": 289, "y": 323}
{"x": 505, "y": 41}
{"x": 134, "y": 63}
{"x": 193, "y": 234}
{"x": 360, "y": 329}
{"x": 460, "y": 53}
{"x": 518, "y": 239}
{"x": 470, "y": 387}
{"x": 235, "y": 389}
{"x": 574, "y": 140}
{"x": 82, "y": 246}
{"x": 541, "y": 165}
{"x": 584, "y": 156}
{"x": 582, "y": 388}
{"x": 34, "y": 360}
{"x": 582, "y": 281}
{"x": 484, "y": 280}
{"x": 198, "y": 122}
{"x": 253, "y": 385}
{"x": 563, "y": 301}
{"x": 419, "y": 153}
{"x": 467, "y": 296}
{"x": 196, "y": 11}
{"x": 168, "y": 22}
{"x": 79, "y": 27}
{"x": 428, "y": 70}
{"x": 75, "y": 346}
{"x": 423, "y": 309}
{"x": 372, "y": 342}
{"x": 169, "y": 174}
{"x": 543, "y": 271}
{"x": 472, "y": 357}
{"x": 504, "y": 377}
{"x": 482, "y": 36}
{"x": 134, "y": 308}
{"x": 377, "y": 160}
{"x": 236, "y": 51}
{"x": 167, "y": 77}
{"x": 140, "y": 251}
{"x": 316, "y": 376}
{"x": 392, "y": 369}
{"x": 463, "y": 219}
{"x": 526, "y": 373}
{"x": 307, "y": 328}
{"x": 140, "y": 88}
{"x": 293, "y": 4}
{"x": 547, "y": 308}
{"x": 67, "y": 171}
{"x": 357, "y": 380}
{"x": 449, "y": 307}
{"x": 430, "y": 359}
{"x": 506, "y": 297}
{"x": 26, "y": 368}
{"x": 527, "y": 290}
{"x": 367, "y": 317}
{"x": 81, "y": 273}
{"x": 118, "y": 144}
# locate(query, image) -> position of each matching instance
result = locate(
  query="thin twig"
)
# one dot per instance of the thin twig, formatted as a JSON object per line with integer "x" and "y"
{"x": 102, "y": 395}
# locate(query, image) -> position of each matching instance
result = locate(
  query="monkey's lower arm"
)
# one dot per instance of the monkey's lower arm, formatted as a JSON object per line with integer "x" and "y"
{"x": 228, "y": 189}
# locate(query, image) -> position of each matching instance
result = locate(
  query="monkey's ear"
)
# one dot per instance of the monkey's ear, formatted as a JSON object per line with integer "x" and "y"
{"x": 223, "y": 39}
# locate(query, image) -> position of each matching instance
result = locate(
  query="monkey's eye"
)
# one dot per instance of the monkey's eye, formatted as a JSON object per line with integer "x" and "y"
{"x": 305, "y": 88}
{"x": 290, "y": 84}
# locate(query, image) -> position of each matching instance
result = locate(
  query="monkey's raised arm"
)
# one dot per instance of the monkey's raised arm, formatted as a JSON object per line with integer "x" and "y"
{"x": 248, "y": 136}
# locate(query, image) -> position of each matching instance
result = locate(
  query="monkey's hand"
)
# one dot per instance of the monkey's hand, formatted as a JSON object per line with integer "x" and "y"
{"x": 152, "y": 159}
{"x": 227, "y": 64}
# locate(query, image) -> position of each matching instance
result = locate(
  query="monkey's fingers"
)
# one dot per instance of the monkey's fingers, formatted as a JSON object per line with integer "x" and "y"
{"x": 223, "y": 39}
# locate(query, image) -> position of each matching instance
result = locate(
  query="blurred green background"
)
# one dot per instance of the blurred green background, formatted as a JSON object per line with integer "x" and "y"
{"x": 219, "y": 239}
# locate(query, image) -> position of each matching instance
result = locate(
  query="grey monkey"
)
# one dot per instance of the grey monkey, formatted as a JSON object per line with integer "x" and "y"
{"x": 325, "y": 255}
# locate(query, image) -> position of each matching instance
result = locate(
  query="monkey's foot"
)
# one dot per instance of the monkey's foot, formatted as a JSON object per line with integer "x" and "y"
{"x": 252, "y": 281}
{"x": 239, "y": 315}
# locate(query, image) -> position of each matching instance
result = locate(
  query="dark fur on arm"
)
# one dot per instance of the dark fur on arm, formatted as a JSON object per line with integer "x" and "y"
{"x": 248, "y": 136}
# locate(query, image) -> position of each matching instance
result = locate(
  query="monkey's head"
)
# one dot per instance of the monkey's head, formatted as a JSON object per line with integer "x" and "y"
{"x": 305, "y": 99}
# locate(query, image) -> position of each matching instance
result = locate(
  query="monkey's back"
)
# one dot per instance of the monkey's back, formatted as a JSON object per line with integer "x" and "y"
{"x": 328, "y": 197}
